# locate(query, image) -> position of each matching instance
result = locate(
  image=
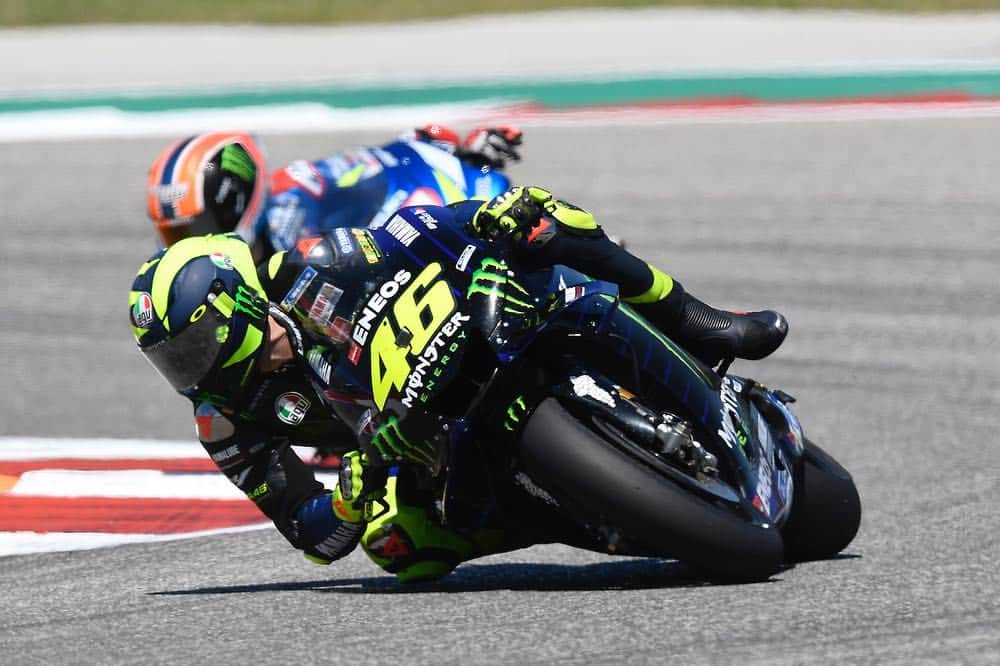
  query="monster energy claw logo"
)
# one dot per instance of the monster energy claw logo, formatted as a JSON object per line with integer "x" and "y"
{"x": 248, "y": 303}
{"x": 235, "y": 160}
{"x": 392, "y": 444}
{"x": 515, "y": 411}
{"x": 491, "y": 280}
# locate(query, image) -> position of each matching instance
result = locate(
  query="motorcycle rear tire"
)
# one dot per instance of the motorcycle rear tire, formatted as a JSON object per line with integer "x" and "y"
{"x": 600, "y": 484}
{"x": 826, "y": 511}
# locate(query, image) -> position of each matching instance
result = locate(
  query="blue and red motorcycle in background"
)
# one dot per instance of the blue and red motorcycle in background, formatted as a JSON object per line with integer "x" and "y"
{"x": 365, "y": 186}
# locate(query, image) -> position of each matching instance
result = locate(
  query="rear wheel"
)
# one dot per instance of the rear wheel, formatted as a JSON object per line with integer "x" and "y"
{"x": 602, "y": 485}
{"x": 826, "y": 511}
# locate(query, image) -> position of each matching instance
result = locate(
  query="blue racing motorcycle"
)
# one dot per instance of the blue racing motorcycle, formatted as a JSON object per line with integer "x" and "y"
{"x": 552, "y": 393}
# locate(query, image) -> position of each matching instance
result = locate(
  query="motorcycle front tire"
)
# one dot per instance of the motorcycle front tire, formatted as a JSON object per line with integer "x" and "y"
{"x": 602, "y": 485}
{"x": 826, "y": 509}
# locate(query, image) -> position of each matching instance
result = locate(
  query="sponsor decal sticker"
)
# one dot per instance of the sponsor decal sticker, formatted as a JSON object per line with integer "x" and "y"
{"x": 259, "y": 492}
{"x": 730, "y": 433}
{"x": 291, "y": 407}
{"x": 226, "y": 455}
{"x": 212, "y": 426}
{"x": 429, "y": 220}
{"x": 367, "y": 246}
{"x": 223, "y": 261}
{"x": 344, "y": 242}
{"x": 326, "y": 300}
{"x": 585, "y": 387}
{"x": 317, "y": 361}
{"x": 301, "y": 284}
{"x": 421, "y": 381}
{"x": 354, "y": 355}
{"x": 171, "y": 193}
{"x": 402, "y": 231}
{"x": 340, "y": 330}
{"x": 392, "y": 545}
{"x": 463, "y": 259}
{"x": 571, "y": 294}
{"x": 142, "y": 311}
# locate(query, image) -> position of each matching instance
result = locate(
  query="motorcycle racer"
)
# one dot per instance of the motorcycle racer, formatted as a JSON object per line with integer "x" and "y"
{"x": 218, "y": 182}
{"x": 260, "y": 351}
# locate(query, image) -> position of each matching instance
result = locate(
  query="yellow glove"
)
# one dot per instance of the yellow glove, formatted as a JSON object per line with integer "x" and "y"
{"x": 520, "y": 208}
{"x": 516, "y": 209}
{"x": 350, "y": 487}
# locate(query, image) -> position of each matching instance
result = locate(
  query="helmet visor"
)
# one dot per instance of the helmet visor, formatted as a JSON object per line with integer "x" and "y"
{"x": 187, "y": 359}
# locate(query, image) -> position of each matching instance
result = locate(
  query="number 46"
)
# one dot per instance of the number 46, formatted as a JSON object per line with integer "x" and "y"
{"x": 421, "y": 309}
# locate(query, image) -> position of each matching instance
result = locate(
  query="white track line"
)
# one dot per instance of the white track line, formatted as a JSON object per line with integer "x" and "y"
{"x": 45, "y": 448}
{"x": 24, "y": 543}
{"x": 107, "y": 122}
{"x": 41, "y": 448}
{"x": 141, "y": 483}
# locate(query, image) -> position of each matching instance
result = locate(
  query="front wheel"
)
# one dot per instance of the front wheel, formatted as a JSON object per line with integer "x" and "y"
{"x": 826, "y": 511}
{"x": 603, "y": 486}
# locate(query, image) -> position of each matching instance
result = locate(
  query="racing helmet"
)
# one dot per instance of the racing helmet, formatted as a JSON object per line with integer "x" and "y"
{"x": 199, "y": 316}
{"x": 208, "y": 183}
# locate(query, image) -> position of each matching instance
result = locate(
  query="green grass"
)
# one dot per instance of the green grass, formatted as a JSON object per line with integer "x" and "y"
{"x": 51, "y": 12}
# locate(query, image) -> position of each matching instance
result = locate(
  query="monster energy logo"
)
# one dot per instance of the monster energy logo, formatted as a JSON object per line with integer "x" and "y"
{"x": 515, "y": 411}
{"x": 491, "y": 280}
{"x": 392, "y": 444}
{"x": 235, "y": 160}
{"x": 248, "y": 303}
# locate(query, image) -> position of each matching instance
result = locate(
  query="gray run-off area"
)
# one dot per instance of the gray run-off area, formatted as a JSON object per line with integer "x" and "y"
{"x": 877, "y": 239}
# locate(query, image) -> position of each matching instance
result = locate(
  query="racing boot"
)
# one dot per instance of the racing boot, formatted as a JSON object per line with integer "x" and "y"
{"x": 710, "y": 334}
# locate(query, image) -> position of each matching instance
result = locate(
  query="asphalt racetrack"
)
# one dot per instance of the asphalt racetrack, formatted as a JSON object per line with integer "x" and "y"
{"x": 878, "y": 240}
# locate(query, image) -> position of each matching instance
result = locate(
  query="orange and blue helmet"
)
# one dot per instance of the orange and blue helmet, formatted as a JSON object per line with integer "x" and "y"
{"x": 208, "y": 183}
{"x": 199, "y": 314}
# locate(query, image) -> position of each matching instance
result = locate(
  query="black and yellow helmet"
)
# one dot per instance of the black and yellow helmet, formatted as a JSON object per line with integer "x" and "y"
{"x": 199, "y": 314}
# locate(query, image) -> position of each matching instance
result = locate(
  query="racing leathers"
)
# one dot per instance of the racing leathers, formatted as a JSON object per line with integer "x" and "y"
{"x": 365, "y": 186}
{"x": 332, "y": 295}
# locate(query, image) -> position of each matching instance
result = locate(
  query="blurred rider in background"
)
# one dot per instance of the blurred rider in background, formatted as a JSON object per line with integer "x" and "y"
{"x": 218, "y": 182}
